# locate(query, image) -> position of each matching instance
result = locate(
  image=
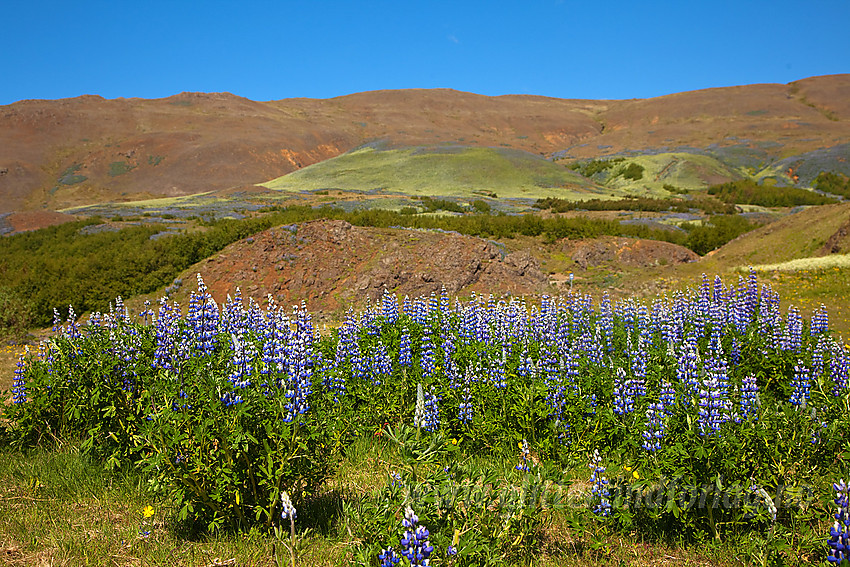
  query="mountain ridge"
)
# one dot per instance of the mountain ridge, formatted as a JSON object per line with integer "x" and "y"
{"x": 88, "y": 149}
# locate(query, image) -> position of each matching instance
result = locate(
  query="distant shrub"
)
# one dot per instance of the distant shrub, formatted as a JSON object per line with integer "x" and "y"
{"x": 117, "y": 168}
{"x": 675, "y": 190}
{"x": 481, "y": 206}
{"x": 834, "y": 183}
{"x": 408, "y": 211}
{"x": 748, "y": 192}
{"x": 647, "y": 204}
{"x": 632, "y": 171}
{"x": 155, "y": 160}
{"x": 432, "y": 204}
{"x": 592, "y": 167}
{"x": 15, "y": 314}
{"x": 70, "y": 175}
{"x": 713, "y": 234}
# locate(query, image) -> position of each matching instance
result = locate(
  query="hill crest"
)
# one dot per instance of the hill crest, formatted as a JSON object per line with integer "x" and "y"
{"x": 89, "y": 149}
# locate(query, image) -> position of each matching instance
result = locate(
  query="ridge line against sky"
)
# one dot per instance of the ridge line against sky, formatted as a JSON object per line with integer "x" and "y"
{"x": 324, "y": 49}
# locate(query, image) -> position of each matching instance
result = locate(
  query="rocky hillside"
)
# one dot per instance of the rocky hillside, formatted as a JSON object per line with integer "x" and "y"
{"x": 87, "y": 150}
{"x": 333, "y": 265}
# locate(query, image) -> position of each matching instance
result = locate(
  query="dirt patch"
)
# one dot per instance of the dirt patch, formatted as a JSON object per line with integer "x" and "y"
{"x": 33, "y": 220}
{"x": 626, "y": 252}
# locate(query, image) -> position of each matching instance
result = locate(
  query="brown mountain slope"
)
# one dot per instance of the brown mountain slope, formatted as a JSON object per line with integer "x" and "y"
{"x": 55, "y": 154}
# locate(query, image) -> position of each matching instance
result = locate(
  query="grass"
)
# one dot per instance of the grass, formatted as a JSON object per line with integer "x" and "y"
{"x": 799, "y": 235}
{"x": 56, "y": 508}
{"x": 449, "y": 171}
{"x": 686, "y": 171}
{"x": 805, "y": 264}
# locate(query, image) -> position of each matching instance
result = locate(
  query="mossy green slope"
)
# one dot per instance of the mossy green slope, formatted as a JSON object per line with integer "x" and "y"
{"x": 682, "y": 170}
{"x": 452, "y": 171}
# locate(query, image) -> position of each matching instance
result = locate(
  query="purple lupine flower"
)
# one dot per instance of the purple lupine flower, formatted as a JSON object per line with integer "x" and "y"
{"x": 822, "y": 347}
{"x": 431, "y": 421}
{"x": 839, "y": 369}
{"x": 711, "y": 404}
{"x": 389, "y": 307}
{"x": 600, "y": 495}
{"x": 465, "y": 407}
{"x": 820, "y": 321}
{"x": 667, "y": 397}
{"x": 653, "y": 427}
{"x": 794, "y": 330}
{"x": 839, "y": 534}
{"x": 427, "y": 360}
{"x": 381, "y": 364}
{"x": 624, "y": 402}
{"x": 687, "y": 371}
{"x": 388, "y": 557}
{"x": 749, "y": 397}
{"x": 19, "y": 385}
{"x": 203, "y": 319}
{"x": 415, "y": 545}
{"x": 405, "y": 357}
{"x": 801, "y": 382}
{"x": 243, "y": 356}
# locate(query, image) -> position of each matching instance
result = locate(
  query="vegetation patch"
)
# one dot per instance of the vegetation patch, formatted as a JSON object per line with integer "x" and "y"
{"x": 117, "y": 168}
{"x": 70, "y": 175}
{"x": 749, "y": 192}
{"x": 834, "y": 183}
{"x": 802, "y": 264}
{"x": 455, "y": 171}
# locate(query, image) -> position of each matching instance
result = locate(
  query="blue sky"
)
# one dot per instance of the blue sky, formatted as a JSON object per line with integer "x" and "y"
{"x": 322, "y": 49}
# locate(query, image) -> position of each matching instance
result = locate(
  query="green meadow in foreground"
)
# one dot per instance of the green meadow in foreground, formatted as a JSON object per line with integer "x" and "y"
{"x": 480, "y": 432}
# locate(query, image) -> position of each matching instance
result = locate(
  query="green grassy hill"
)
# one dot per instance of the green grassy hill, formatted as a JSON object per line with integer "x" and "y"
{"x": 450, "y": 171}
{"x": 647, "y": 175}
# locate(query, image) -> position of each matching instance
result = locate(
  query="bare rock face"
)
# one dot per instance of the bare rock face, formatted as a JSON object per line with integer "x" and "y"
{"x": 332, "y": 265}
{"x": 839, "y": 242}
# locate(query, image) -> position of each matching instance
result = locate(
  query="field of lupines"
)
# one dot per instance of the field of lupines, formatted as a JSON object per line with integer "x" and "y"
{"x": 710, "y": 415}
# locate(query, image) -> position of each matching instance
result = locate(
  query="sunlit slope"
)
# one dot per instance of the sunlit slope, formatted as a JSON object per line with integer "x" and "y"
{"x": 452, "y": 171}
{"x": 661, "y": 171}
{"x": 800, "y": 235}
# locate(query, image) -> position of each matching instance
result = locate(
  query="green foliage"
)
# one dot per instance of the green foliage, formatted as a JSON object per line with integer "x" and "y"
{"x": 440, "y": 171}
{"x": 70, "y": 175}
{"x": 834, "y": 183}
{"x": 594, "y": 166}
{"x": 16, "y": 315}
{"x": 748, "y": 192}
{"x": 481, "y": 206}
{"x": 433, "y": 204}
{"x": 675, "y": 190}
{"x": 57, "y": 266}
{"x": 220, "y": 431}
{"x": 707, "y": 205}
{"x": 155, "y": 160}
{"x": 716, "y": 232}
{"x": 632, "y": 171}
{"x": 117, "y": 168}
